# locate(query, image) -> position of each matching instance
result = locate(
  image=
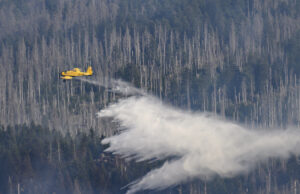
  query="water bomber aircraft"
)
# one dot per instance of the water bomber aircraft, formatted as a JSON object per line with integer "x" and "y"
{"x": 76, "y": 72}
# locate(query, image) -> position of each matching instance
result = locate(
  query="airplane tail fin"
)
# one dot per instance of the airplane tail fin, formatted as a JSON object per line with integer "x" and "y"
{"x": 89, "y": 70}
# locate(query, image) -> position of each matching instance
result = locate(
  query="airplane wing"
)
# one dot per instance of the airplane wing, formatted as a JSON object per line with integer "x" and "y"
{"x": 66, "y": 77}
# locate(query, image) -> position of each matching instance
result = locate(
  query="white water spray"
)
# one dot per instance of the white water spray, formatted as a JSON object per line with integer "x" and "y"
{"x": 201, "y": 145}
{"x": 204, "y": 145}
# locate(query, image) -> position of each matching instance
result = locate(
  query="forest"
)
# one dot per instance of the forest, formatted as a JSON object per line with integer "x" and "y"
{"x": 238, "y": 59}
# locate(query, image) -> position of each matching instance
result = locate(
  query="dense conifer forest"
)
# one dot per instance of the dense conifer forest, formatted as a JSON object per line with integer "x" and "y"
{"x": 35, "y": 159}
{"x": 238, "y": 59}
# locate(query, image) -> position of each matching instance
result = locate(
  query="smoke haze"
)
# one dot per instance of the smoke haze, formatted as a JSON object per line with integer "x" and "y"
{"x": 200, "y": 145}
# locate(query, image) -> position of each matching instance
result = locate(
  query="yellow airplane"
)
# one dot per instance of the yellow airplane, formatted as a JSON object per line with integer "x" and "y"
{"x": 75, "y": 73}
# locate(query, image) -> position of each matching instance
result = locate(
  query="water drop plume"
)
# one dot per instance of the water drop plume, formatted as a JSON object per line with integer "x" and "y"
{"x": 201, "y": 145}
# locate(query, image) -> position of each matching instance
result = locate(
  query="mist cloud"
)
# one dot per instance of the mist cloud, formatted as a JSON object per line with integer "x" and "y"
{"x": 202, "y": 146}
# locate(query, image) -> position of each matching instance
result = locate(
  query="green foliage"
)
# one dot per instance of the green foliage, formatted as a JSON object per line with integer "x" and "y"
{"x": 51, "y": 6}
{"x": 45, "y": 161}
{"x": 32, "y": 153}
{"x": 130, "y": 73}
{"x": 259, "y": 69}
{"x": 293, "y": 50}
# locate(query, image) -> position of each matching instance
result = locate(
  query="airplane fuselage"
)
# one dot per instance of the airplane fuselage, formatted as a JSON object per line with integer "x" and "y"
{"x": 66, "y": 75}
